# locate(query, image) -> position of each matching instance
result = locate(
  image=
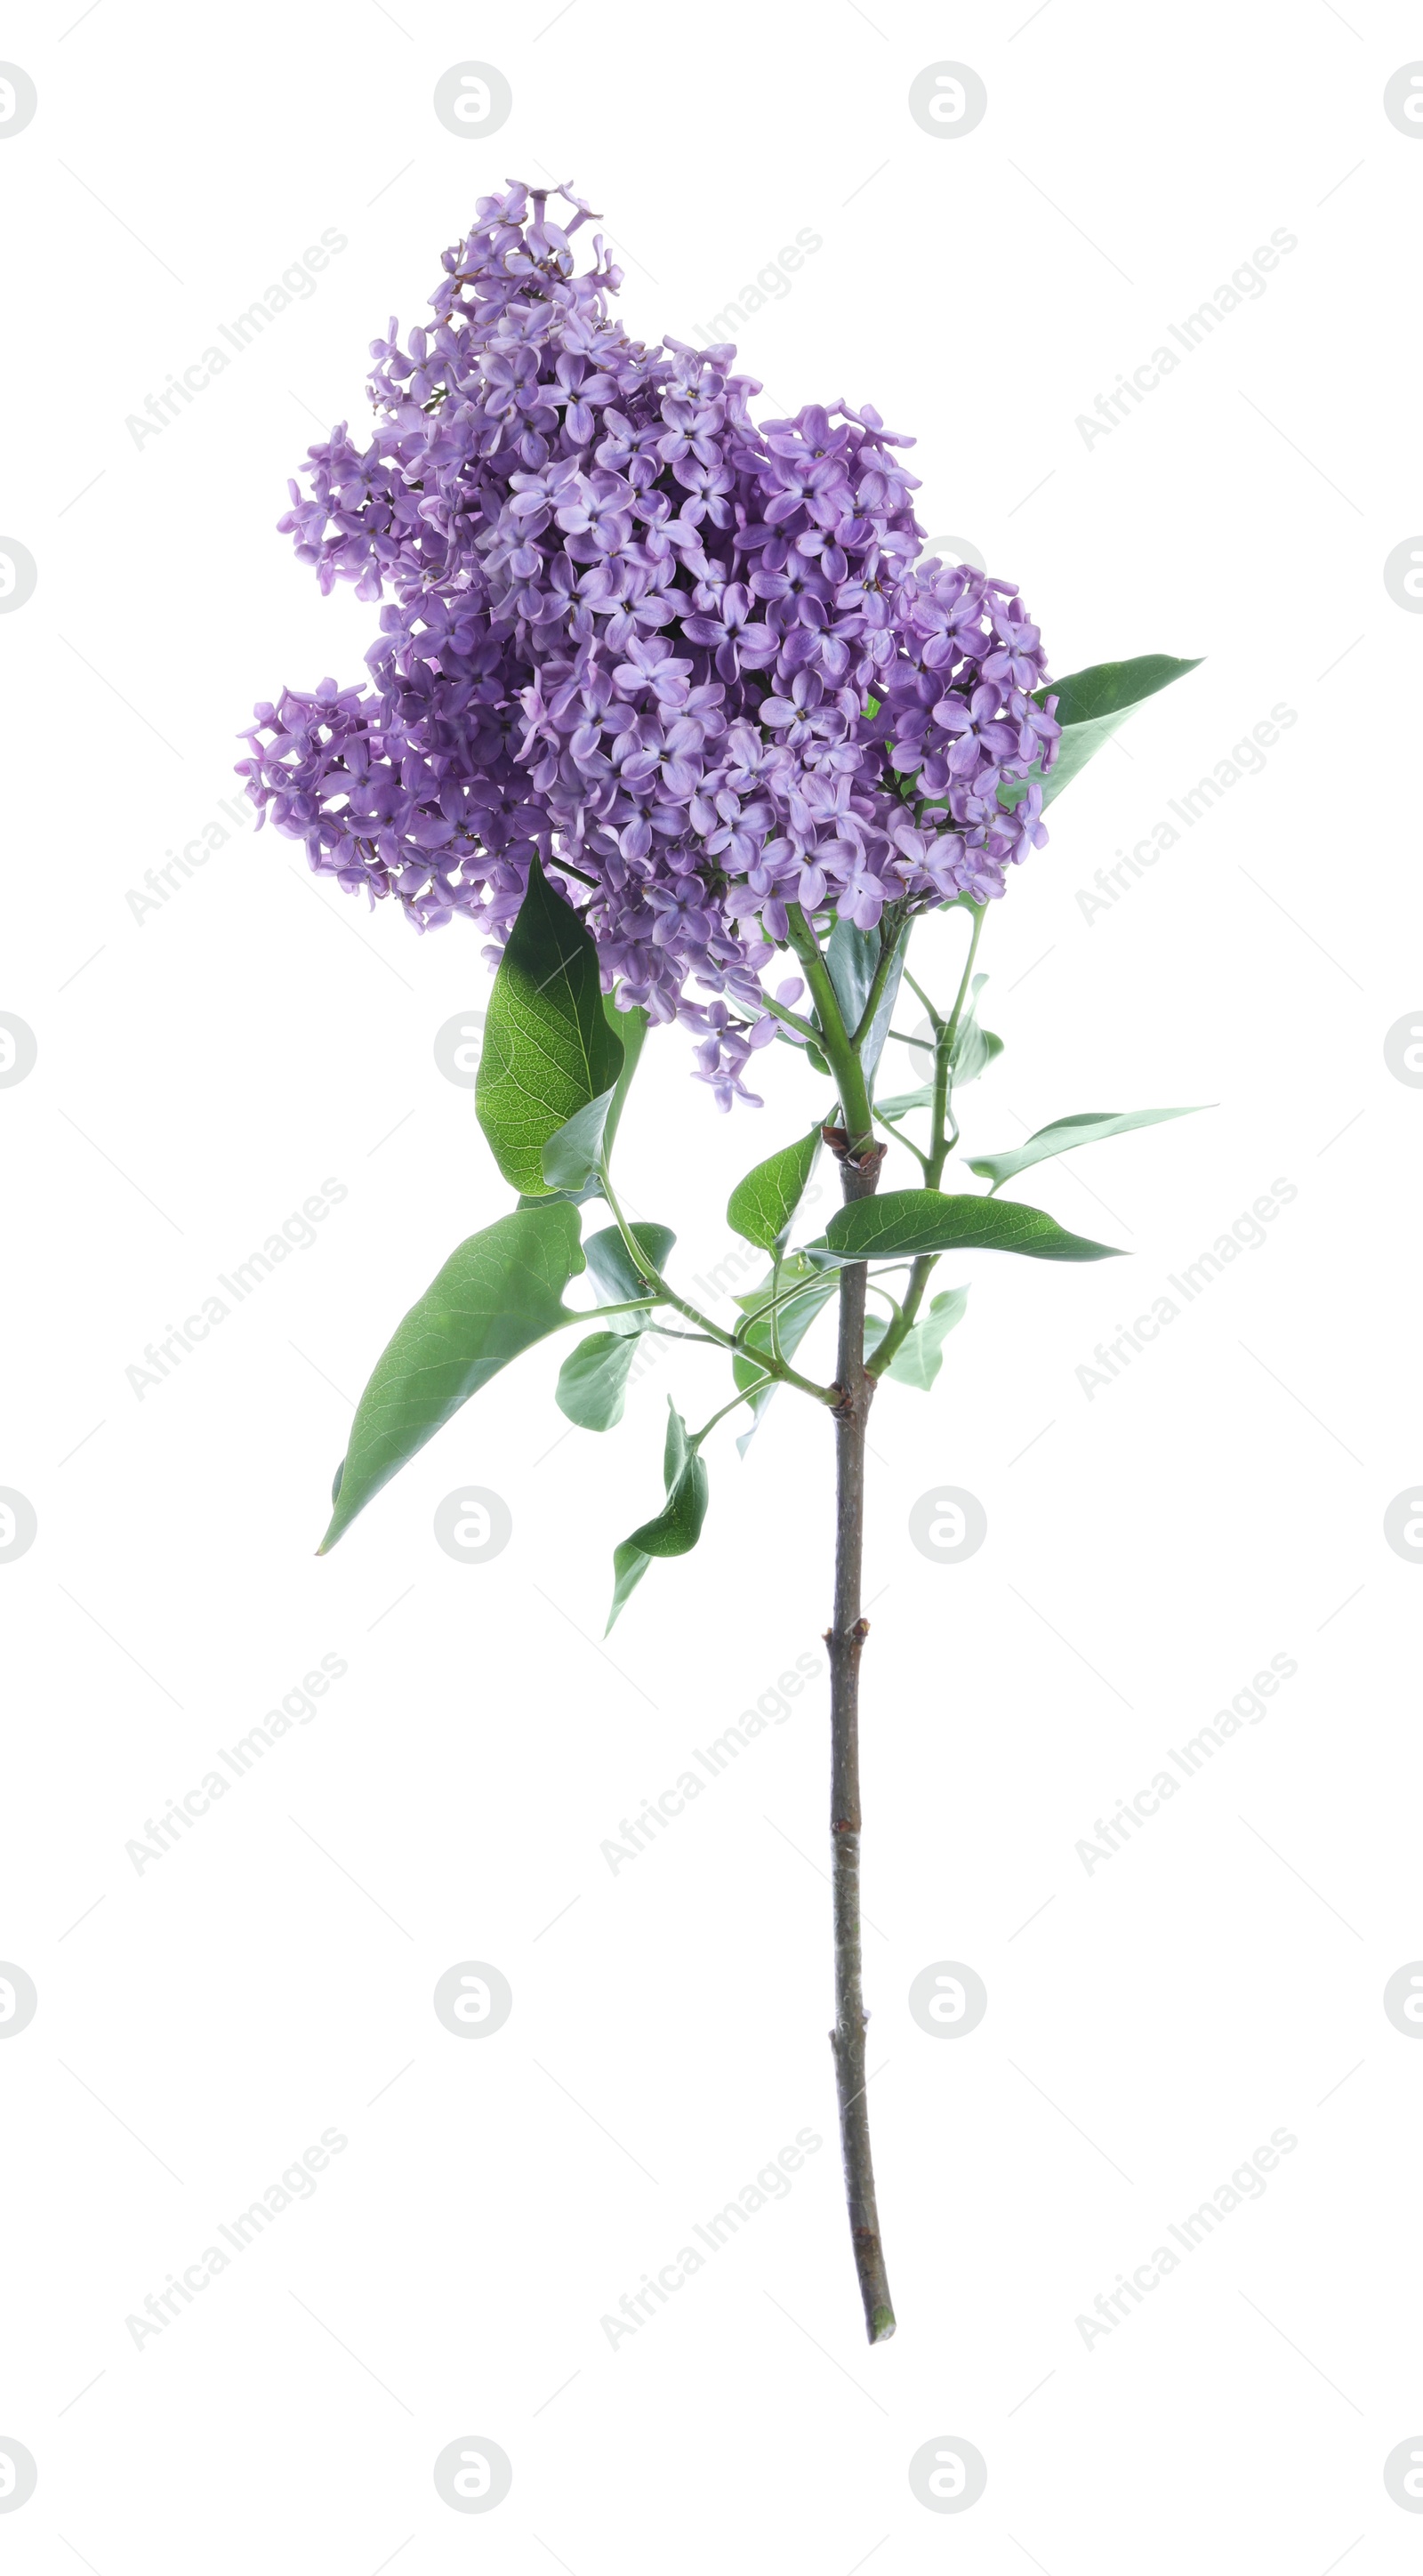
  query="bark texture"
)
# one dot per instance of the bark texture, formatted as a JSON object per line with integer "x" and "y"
{"x": 845, "y": 1639}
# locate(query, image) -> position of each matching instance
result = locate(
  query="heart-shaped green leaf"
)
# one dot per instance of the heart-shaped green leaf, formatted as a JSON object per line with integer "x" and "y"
{"x": 900, "y": 1224}
{"x": 762, "y": 1206}
{"x": 677, "y": 1527}
{"x": 499, "y": 1292}
{"x": 549, "y": 1048}
{"x": 593, "y": 1379}
{"x": 1085, "y": 1127}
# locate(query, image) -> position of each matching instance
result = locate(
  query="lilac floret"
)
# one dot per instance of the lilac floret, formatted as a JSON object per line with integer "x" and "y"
{"x": 689, "y": 662}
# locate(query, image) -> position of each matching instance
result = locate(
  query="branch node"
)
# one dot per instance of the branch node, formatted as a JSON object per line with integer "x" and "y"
{"x": 838, "y": 1140}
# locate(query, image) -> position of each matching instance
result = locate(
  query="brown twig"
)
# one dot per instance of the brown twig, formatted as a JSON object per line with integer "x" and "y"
{"x": 845, "y": 1639}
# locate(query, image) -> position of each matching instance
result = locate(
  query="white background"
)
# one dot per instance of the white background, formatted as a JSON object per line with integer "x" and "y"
{"x": 202, "y": 1069}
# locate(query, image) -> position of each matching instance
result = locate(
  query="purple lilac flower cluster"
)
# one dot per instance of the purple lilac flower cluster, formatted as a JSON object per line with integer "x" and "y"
{"x": 689, "y": 662}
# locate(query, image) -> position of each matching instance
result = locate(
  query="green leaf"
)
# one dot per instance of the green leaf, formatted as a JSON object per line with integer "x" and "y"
{"x": 904, "y": 1101}
{"x": 611, "y": 1265}
{"x": 793, "y": 1322}
{"x": 878, "y": 1031}
{"x": 548, "y": 1047}
{"x": 593, "y": 1379}
{"x": 498, "y": 1293}
{"x": 974, "y": 1048}
{"x": 574, "y": 1150}
{"x": 762, "y": 1206}
{"x": 1091, "y": 705}
{"x": 919, "y": 1356}
{"x": 677, "y": 1527}
{"x": 852, "y": 957}
{"x": 574, "y": 1198}
{"x": 1084, "y": 1127}
{"x": 901, "y": 1224}
{"x": 630, "y": 1028}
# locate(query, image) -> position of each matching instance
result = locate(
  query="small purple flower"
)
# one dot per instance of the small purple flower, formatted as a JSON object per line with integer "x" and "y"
{"x": 626, "y": 628}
